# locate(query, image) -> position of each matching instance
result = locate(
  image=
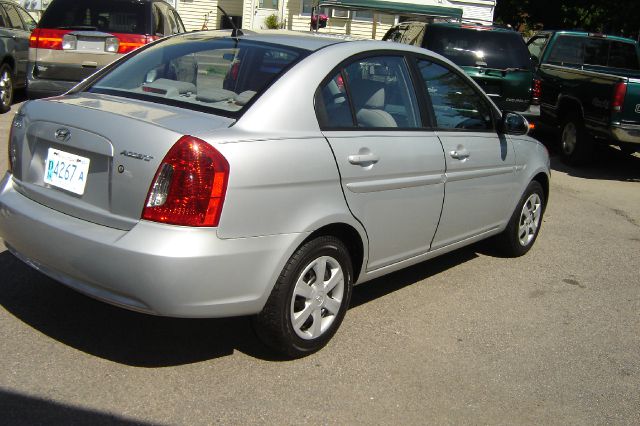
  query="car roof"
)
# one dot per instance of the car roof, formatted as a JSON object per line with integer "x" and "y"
{"x": 300, "y": 40}
{"x": 473, "y": 26}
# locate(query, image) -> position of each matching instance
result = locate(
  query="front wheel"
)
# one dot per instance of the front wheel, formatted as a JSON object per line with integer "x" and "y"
{"x": 309, "y": 300}
{"x": 6, "y": 88}
{"x": 524, "y": 225}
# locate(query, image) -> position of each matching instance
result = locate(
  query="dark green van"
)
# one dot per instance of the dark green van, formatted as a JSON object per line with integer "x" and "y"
{"x": 496, "y": 58}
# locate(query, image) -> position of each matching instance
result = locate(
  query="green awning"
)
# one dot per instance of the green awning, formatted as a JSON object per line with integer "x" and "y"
{"x": 394, "y": 8}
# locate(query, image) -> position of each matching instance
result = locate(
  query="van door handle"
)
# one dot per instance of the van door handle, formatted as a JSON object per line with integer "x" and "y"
{"x": 460, "y": 154}
{"x": 363, "y": 159}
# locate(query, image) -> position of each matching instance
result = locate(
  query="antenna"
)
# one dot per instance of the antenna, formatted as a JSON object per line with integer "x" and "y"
{"x": 237, "y": 32}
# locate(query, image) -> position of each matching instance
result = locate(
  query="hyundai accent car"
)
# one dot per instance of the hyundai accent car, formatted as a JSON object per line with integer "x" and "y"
{"x": 205, "y": 175}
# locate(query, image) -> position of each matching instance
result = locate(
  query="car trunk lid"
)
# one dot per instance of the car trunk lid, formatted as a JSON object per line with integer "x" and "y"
{"x": 123, "y": 141}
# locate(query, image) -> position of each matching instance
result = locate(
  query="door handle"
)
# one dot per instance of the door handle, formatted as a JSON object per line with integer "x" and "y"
{"x": 363, "y": 159}
{"x": 460, "y": 154}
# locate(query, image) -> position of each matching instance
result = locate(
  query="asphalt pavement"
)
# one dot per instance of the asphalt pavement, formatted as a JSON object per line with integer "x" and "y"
{"x": 468, "y": 338}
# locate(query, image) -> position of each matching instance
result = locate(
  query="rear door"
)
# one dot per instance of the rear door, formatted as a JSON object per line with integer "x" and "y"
{"x": 479, "y": 162}
{"x": 391, "y": 166}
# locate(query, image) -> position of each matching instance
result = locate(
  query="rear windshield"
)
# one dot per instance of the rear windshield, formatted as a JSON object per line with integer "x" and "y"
{"x": 576, "y": 50}
{"x": 220, "y": 75}
{"x": 479, "y": 48}
{"x": 113, "y": 16}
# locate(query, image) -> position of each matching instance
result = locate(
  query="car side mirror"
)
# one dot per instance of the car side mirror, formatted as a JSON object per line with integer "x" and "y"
{"x": 513, "y": 123}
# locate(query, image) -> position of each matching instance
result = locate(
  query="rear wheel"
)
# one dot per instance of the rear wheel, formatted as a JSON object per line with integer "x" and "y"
{"x": 575, "y": 143}
{"x": 525, "y": 222}
{"x": 309, "y": 300}
{"x": 6, "y": 88}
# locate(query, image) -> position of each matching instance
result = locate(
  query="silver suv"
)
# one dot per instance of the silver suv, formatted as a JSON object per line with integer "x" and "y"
{"x": 77, "y": 37}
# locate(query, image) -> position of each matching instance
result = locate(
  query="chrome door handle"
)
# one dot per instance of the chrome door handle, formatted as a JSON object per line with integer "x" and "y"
{"x": 460, "y": 155}
{"x": 363, "y": 159}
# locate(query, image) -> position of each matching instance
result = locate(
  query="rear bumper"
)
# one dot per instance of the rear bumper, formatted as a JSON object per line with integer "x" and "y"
{"x": 152, "y": 268}
{"x": 626, "y": 133}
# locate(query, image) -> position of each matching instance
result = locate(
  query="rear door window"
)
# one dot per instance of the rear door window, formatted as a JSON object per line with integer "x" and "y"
{"x": 596, "y": 52}
{"x": 14, "y": 17}
{"x": 114, "y": 16}
{"x": 4, "y": 19}
{"x": 536, "y": 45}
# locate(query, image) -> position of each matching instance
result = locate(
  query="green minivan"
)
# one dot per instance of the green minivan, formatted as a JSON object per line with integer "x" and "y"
{"x": 495, "y": 57}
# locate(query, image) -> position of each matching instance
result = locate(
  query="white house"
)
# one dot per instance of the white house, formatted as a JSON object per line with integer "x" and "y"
{"x": 352, "y": 18}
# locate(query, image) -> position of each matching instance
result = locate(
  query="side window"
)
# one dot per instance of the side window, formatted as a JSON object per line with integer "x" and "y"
{"x": 623, "y": 55}
{"x": 395, "y": 35}
{"x": 4, "y": 19}
{"x": 414, "y": 35}
{"x": 456, "y": 105}
{"x": 170, "y": 26}
{"x": 535, "y": 47}
{"x": 382, "y": 93}
{"x": 332, "y": 104}
{"x": 176, "y": 17}
{"x": 27, "y": 19}
{"x": 567, "y": 50}
{"x": 14, "y": 17}
{"x": 158, "y": 20}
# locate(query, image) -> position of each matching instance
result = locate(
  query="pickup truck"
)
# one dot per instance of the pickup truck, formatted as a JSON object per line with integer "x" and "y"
{"x": 588, "y": 86}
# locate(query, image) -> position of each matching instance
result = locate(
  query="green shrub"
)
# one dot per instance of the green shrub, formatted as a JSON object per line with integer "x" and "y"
{"x": 271, "y": 22}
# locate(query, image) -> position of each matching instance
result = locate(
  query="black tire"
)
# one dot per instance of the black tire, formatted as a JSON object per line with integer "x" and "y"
{"x": 275, "y": 324}
{"x": 6, "y": 88}
{"x": 580, "y": 150}
{"x": 512, "y": 242}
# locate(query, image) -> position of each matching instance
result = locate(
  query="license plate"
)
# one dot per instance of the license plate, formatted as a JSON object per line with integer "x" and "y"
{"x": 66, "y": 171}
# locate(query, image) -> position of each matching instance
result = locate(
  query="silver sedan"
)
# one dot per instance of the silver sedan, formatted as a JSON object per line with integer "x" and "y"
{"x": 207, "y": 176}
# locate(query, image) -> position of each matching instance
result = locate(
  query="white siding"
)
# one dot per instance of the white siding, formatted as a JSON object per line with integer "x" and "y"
{"x": 192, "y": 13}
{"x": 478, "y": 10}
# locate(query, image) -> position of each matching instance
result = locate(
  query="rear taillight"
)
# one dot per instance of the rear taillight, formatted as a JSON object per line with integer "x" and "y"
{"x": 189, "y": 186}
{"x": 63, "y": 40}
{"x": 47, "y": 39}
{"x": 619, "y": 92}
{"x": 129, "y": 42}
{"x": 536, "y": 91}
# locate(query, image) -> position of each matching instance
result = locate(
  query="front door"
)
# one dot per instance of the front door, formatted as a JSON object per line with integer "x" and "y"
{"x": 391, "y": 168}
{"x": 479, "y": 162}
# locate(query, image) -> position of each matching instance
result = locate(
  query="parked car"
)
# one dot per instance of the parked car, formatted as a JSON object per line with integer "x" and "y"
{"x": 495, "y": 57}
{"x": 589, "y": 86}
{"x": 15, "y": 26}
{"x": 293, "y": 168}
{"x": 75, "y": 38}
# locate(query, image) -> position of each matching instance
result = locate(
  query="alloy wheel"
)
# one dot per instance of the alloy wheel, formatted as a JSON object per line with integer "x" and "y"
{"x": 529, "y": 219}
{"x": 569, "y": 138}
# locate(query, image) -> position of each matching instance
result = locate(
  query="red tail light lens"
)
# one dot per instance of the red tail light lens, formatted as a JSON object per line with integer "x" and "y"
{"x": 53, "y": 39}
{"x": 619, "y": 92}
{"x": 536, "y": 91}
{"x": 47, "y": 39}
{"x": 129, "y": 42}
{"x": 189, "y": 186}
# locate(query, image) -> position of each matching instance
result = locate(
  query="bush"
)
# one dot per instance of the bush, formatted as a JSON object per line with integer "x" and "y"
{"x": 271, "y": 22}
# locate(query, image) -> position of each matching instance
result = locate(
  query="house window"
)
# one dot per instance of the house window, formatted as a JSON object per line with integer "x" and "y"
{"x": 306, "y": 7}
{"x": 268, "y": 4}
{"x": 340, "y": 13}
{"x": 363, "y": 15}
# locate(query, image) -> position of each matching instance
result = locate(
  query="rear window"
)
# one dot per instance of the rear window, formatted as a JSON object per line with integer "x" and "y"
{"x": 114, "y": 16}
{"x": 479, "y": 48}
{"x": 220, "y": 75}
{"x": 576, "y": 50}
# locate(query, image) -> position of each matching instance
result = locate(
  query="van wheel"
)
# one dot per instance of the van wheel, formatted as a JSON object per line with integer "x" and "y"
{"x": 524, "y": 225}
{"x": 576, "y": 145}
{"x": 309, "y": 300}
{"x": 6, "y": 88}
